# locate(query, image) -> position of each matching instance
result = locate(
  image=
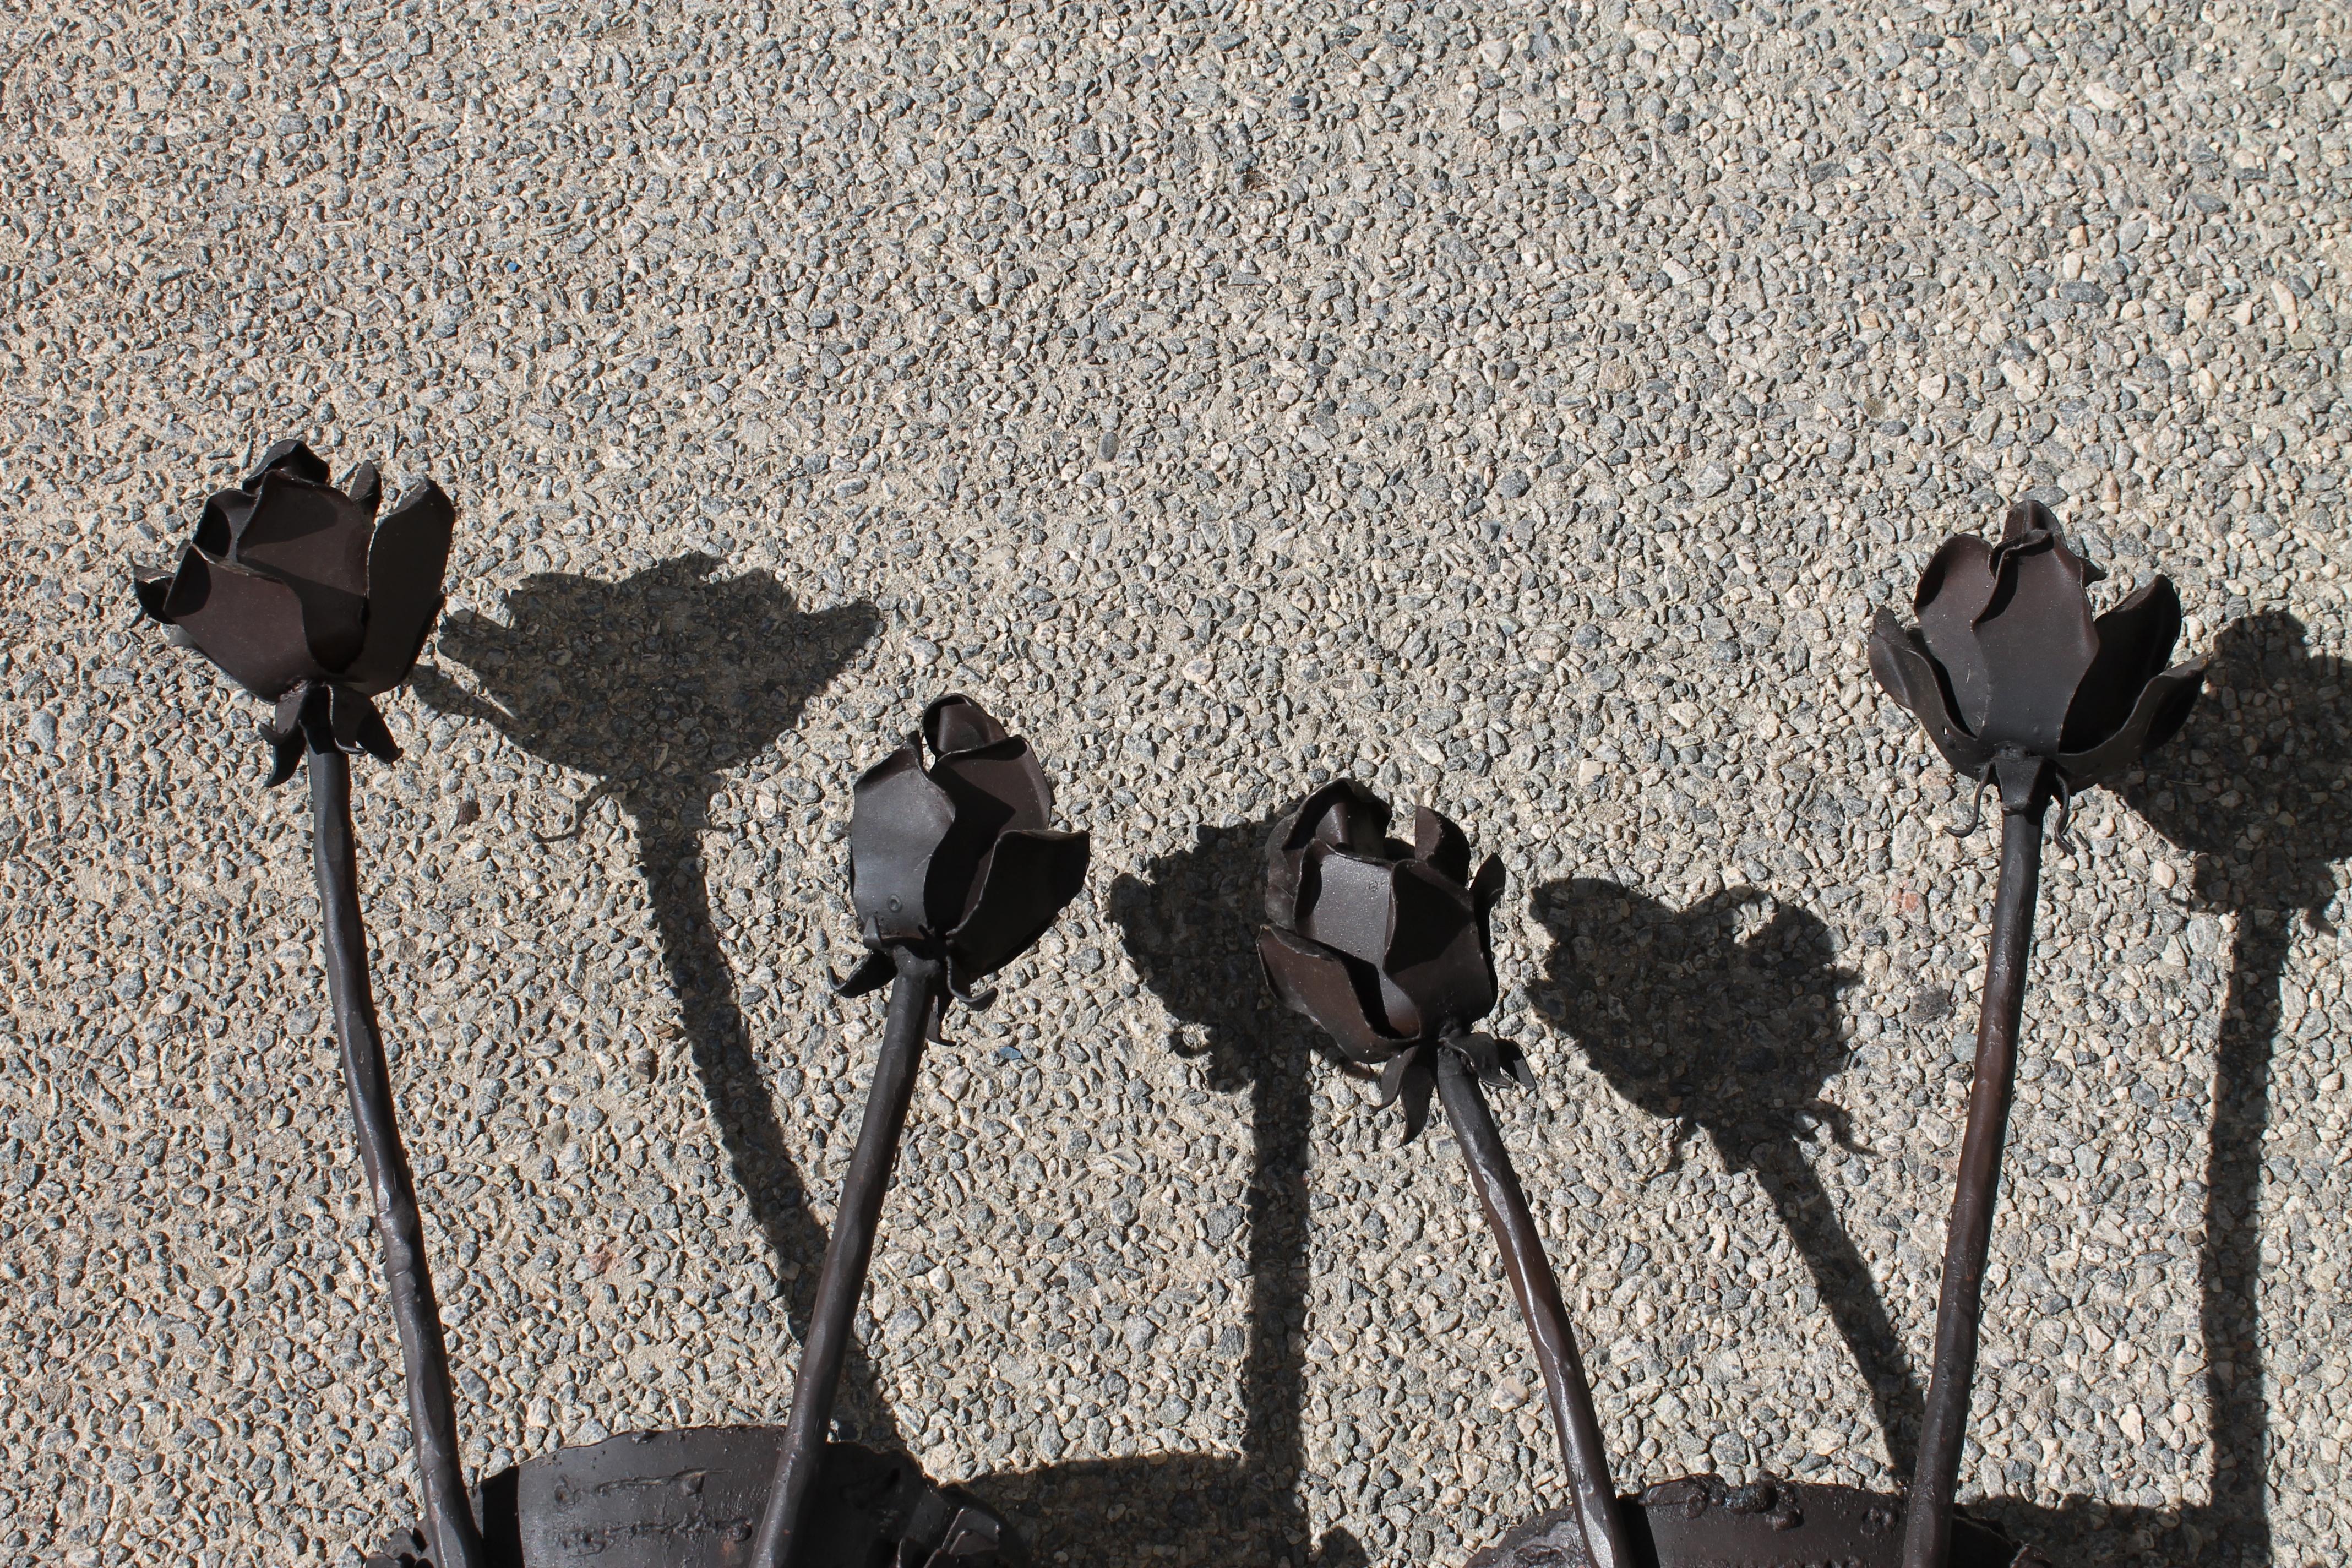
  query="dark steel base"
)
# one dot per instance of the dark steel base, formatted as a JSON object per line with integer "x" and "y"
{"x": 1704, "y": 1522}
{"x": 692, "y": 1499}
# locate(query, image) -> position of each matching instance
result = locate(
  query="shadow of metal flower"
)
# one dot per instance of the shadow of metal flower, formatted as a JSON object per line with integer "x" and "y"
{"x": 2009, "y": 675}
{"x": 1385, "y": 944}
{"x": 300, "y": 593}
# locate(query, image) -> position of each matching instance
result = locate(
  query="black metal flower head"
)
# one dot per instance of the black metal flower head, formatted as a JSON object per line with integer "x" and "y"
{"x": 1384, "y": 944}
{"x": 303, "y": 596}
{"x": 958, "y": 860}
{"x": 2009, "y": 675}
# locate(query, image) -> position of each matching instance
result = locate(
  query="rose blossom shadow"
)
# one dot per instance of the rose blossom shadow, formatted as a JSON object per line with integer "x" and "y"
{"x": 2271, "y": 735}
{"x": 1188, "y": 923}
{"x": 655, "y": 686}
{"x": 2254, "y": 787}
{"x": 1735, "y": 1036}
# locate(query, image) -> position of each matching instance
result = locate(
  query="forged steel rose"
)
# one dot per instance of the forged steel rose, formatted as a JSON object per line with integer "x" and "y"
{"x": 2007, "y": 665}
{"x": 953, "y": 870}
{"x": 1384, "y": 944}
{"x": 303, "y": 596}
{"x": 956, "y": 861}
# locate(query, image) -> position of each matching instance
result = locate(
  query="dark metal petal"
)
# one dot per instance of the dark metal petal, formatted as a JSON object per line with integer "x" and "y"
{"x": 1344, "y": 902}
{"x": 2037, "y": 642}
{"x": 1000, "y": 785}
{"x": 2163, "y": 708}
{"x": 956, "y": 723}
{"x": 1342, "y": 814}
{"x": 2134, "y": 639}
{"x": 250, "y": 626}
{"x": 149, "y": 587}
{"x": 289, "y": 456}
{"x": 1030, "y": 876}
{"x": 1487, "y": 887}
{"x": 1438, "y": 843}
{"x": 1437, "y": 952}
{"x": 1953, "y": 592}
{"x": 1346, "y": 816}
{"x": 224, "y": 518}
{"x": 1917, "y": 678}
{"x": 365, "y": 487}
{"x": 315, "y": 541}
{"x": 406, "y": 561}
{"x": 1888, "y": 636}
{"x": 875, "y": 971}
{"x": 897, "y": 825}
{"x": 1321, "y": 984}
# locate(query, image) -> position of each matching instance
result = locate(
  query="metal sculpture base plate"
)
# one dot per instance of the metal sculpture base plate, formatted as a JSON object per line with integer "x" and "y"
{"x": 1705, "y": 1523}
{"x": 693, "y": 1498}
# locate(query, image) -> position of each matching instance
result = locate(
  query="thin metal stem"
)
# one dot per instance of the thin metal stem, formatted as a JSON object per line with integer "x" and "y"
{"x": 1606, "y": 1542}
{"x": 1967, "y": 1238}
{"x": 432, "y": 1408}
{"x": 847, "y": 1254}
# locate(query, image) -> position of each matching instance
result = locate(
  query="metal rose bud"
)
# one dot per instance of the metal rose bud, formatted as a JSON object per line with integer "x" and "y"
{"x": 303, "y": 596}
{"x": 2009, "y": 673}
{"x": 957, "y": 860}
{"x": 1384, "y": 944}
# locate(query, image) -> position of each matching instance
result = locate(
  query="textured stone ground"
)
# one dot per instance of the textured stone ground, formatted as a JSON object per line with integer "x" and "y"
{"x": 1524, "y": 411}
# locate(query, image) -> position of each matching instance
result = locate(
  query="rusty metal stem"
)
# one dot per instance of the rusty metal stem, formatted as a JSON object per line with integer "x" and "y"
{"x": 1928, "y": 1528}
{"x": 432, "y": 1408}
{"x": 1606, "y": 1540}
{"x": 847, "y": 1254}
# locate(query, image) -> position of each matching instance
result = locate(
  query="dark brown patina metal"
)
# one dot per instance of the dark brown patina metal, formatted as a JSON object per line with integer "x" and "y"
{"x": 1703, "y": 1522}
{"x": 303, "y": 596}
{"x": 693, "y": 1500}
{"x": 2013, "y": 680}
{"x": 295, "y": 591}
{"x": 2015, "y": 683}
{"x": 955, "y": 869}
{"x": 1385, "y": 945}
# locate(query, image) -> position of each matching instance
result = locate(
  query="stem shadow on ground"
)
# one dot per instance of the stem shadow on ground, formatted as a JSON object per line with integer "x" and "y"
{"x": 655, "y": 686}
{"x": 2255, "y": 787}
{"x": 1736, "y": 1036}
{"x": 1190, "y": 923}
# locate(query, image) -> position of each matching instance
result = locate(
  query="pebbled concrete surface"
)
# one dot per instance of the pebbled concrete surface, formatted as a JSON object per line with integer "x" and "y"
{"x": 1524, "y": 411}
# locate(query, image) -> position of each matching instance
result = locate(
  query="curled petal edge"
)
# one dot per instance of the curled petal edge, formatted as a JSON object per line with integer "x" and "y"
{"x": 1286, "y": 847}
{"x": 2134, "y": 639}
{"x": 955, "y": 723}
{"x": 406, "y": 559}
{"x": 2162, "y": 709}
{"x": 1917, "y": 688}
{"x": 1031, "y": 877}
{"x": 1315, "y": 983}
